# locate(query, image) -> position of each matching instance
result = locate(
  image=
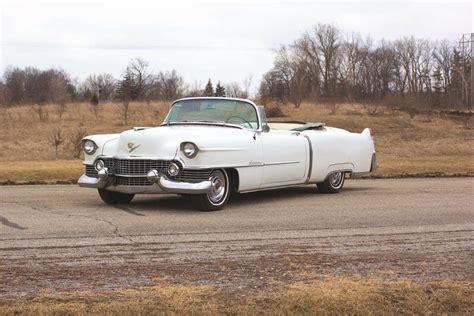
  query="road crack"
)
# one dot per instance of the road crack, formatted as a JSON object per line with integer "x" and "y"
{"x": 8, "y": 223}
{"x": 115, "y": 227}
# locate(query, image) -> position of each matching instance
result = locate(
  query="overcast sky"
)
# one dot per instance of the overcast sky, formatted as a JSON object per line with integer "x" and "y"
{"x": 222, "y": 40}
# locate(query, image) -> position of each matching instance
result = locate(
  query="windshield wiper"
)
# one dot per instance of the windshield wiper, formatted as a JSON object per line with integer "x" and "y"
{"x": 204, "y": 122}
{"x": 220, "y": 124}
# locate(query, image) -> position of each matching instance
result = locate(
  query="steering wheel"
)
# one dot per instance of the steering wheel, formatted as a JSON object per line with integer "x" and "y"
{"x": 240, "y": 118}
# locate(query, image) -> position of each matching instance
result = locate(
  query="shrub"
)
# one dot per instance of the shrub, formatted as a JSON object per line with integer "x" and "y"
{"x": 275, "y": 112}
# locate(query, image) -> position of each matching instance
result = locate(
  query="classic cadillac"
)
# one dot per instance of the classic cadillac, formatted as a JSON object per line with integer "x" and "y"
{"x": 208, "y": 148}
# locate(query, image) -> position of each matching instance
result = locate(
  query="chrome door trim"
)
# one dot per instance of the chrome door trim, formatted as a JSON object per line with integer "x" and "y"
{"x": 310, "y": 168}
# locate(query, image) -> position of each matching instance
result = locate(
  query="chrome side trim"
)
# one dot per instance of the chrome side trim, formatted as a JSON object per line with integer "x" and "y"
{"x": 310, "y": 169}
{"x": 281, "y": 163}
{"x": 259, "y": 164}
{"x": 250, "y": 165}
{"x": 275, "y": 187}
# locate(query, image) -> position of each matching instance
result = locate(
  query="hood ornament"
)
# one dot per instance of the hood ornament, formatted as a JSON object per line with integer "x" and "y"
{"x": 131, "y": 147}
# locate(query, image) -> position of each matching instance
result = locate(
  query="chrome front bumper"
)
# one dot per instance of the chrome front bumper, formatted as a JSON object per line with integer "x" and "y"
{"x": 92, "y": 182}
{"x": 162, "y": 185}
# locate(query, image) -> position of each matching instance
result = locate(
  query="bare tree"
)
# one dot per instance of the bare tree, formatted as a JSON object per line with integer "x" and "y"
{"x": 194, "y": 90}
{"x": 56, "y": 138}
{"x": 246, "y": 84}
{"x": 75, "y": 141}
{"x": 126, "y": 91}
{"x": 3, "y": 97}
{"x": 136, "y": 81}
{"x": 124, "y": 107}
{"x": 14, "y": 85}
{"x": 321, "y": 46}
{"x": 138, "y": 68}
{"x": 443, "y": 55}
{"x": 94, "y": 102}
{"x": 103, "y": 85}
{"x": 233, "y": 90}
{"x": 172, "y": 85}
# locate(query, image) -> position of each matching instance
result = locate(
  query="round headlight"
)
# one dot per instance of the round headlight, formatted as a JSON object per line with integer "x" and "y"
{"x": 99, "y": 164}
{"x": 173, "y": 169}
{"x": 190, "y": 150}
{"x": 89, "y": 147}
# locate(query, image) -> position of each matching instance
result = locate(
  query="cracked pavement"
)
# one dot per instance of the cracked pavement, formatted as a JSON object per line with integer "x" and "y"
{"x": 63, "y": 237}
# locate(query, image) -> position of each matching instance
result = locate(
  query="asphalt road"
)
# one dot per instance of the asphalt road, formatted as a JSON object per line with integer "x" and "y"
{"x": 421, "y": 228}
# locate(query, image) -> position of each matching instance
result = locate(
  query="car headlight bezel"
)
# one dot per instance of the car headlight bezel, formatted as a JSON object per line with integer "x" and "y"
{"x": 89, "y": 147}
{"x": 189, "y": 149}
{"x": 173, "y": 169}
{"x": 99, "y": 164}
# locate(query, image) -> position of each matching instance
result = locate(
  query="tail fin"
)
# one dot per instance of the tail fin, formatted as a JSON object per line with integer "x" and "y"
{"x": 367, "y": 132}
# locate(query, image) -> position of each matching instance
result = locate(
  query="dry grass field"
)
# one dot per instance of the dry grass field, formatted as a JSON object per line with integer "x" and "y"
{"x": 329, "y": 296}
{"x": 407, "y": 146}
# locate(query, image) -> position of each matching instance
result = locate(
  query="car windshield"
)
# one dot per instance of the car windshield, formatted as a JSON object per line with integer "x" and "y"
{"x": 214, "y": 111}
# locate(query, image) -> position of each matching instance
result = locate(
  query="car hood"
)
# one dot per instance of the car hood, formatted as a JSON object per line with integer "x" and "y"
{"x": 163, "y": 142}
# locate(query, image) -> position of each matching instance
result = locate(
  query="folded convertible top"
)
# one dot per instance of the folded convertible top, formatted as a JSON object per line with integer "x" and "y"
{"x": 308, "y": 126}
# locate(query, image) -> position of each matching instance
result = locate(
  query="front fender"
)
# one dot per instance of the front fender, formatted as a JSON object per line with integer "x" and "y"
{"x": 100, "y": 141}
{"x": 241, "y": 150}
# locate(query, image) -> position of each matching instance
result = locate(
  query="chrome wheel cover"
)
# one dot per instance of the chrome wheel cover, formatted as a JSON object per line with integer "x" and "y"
{"x": 336, "y": 180}
{"x": 218, "y": 188}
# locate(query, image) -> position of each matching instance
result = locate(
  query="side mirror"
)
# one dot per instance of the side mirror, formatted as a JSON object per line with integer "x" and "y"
{"x": 265, "y": 128}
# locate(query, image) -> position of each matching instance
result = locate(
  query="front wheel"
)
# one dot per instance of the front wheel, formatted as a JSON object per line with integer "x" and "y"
{"x": 111, "y": 197}
{"x": 217, "y": 198}
{"x": 333, "y": 183}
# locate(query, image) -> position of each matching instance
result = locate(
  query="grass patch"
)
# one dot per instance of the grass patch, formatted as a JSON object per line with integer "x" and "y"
{"x": 39, "y": 171}
{"x": 332, "y": 295}
{"x": 396, "y": 166}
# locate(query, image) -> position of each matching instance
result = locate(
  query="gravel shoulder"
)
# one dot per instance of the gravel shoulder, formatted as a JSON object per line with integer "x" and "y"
{"x": 62, "y": 238}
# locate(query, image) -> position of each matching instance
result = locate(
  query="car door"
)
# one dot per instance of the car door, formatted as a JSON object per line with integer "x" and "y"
{"x": 284, "y": 157}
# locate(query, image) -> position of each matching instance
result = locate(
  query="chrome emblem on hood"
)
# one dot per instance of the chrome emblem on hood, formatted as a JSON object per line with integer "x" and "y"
{"x": 131, "y": 147}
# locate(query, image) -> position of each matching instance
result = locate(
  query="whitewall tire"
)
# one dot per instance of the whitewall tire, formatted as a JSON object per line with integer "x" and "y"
{"x": 217, "y": 198}
{"x": 333, "y": 183}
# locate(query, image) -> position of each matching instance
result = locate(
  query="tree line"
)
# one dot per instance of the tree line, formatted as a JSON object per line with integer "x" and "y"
{"x": 322, "y": 65}
{"x": 30, "y": 85}
{"x": 326, "y": 65}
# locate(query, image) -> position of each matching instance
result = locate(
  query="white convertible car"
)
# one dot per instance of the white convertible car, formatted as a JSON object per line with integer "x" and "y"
{"x": 208, "y": 148}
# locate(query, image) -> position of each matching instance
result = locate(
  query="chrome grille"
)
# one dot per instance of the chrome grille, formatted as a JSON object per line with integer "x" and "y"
{"x": 135, "y": 171}
{"x": 90, "y": 171}
{"x": 132, "y": 181}
{"x": 135, "y": 167}
{"x": 187, "y": 175}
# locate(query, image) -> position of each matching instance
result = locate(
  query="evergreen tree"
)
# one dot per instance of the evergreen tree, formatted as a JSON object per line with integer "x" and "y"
{"x": 127, "y": 89}
{"x": 209, "y": 89}
{"x": 220, "y": 90}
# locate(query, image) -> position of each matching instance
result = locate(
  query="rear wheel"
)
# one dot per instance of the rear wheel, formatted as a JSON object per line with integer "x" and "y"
{"x": 217, "y": 198}
{"x": 111, "y": 197}
{"x": 333, "y": 183}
